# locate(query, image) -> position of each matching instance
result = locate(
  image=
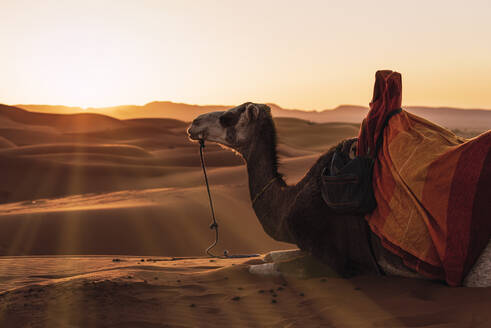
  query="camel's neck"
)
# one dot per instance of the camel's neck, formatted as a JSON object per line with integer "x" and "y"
{"x": 261, "y": 168}
{"x": 266, "y": 187}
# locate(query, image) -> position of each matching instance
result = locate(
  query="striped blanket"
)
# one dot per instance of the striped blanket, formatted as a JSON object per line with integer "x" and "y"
{"x": 433, "y": 188}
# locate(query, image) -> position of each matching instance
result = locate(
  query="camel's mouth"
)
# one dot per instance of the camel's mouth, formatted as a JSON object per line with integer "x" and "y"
{"x": 194, "y": 135}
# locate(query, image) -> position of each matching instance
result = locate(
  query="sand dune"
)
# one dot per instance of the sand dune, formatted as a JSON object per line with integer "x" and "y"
{"x": 5, "y": 143}
{"x": 82, "y": 122}
{"x": 165, "y": 222}
{"x": 169, "y": 292}
{"x": 117, "y": 150}
{"x": 170, "y": 221}
{"x": 22, "y": 137}
{"x": 307, "y": 135}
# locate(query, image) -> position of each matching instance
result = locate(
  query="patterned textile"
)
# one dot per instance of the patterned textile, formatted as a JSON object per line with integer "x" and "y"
{"x": 433, "y": 188}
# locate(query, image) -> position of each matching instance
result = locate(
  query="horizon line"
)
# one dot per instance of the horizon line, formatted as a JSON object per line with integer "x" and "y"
{"x": 231, "y": 106}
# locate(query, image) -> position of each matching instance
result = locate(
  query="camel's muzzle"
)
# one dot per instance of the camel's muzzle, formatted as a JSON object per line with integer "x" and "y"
{"x": 206, "y": 127}
{"x": 195, "y": 134}
{"x": 196, "y": 130}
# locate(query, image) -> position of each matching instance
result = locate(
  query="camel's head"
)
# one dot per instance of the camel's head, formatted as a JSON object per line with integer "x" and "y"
{"x": 233, "y": 128}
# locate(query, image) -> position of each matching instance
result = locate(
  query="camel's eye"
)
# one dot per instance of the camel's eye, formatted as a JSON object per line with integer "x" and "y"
{"x": 228, "y": 119}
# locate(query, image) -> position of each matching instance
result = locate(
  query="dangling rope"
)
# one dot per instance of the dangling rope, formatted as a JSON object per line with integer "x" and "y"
{"x": 214, "y": 224}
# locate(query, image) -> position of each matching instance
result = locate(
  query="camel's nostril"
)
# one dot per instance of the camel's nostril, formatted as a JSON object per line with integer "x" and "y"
{"x": 194, "y": 133}
{"x": 190, "y": 132}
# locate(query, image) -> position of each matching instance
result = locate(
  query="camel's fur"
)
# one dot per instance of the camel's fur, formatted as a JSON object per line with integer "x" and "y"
{"x": 297, "y": 213}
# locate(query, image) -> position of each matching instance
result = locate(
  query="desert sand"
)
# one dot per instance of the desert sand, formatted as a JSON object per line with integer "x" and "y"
{"x": 166, "y": 292}
{"x": 85, "y": 197}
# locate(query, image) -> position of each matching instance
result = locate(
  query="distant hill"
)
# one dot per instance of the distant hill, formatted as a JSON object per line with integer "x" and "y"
{"x": 157, "y": 109}
{"x": 452, "y": 118}
{"x": 14, "y": 117}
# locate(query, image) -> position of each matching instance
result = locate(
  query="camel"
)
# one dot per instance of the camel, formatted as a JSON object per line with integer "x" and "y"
{"x": 297, "y": 213}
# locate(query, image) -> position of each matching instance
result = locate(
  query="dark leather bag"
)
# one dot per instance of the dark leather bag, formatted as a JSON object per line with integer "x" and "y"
{"x": 349, "y": 189}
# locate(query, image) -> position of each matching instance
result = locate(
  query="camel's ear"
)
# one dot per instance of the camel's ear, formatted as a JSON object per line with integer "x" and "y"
{"x": 252, "y": 111}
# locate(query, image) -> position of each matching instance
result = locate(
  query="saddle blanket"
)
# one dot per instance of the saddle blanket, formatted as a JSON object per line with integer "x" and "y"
{"x": 433, "y": 188}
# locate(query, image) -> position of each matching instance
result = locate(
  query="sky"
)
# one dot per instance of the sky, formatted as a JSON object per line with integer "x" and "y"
{"x": 298, "y": 54}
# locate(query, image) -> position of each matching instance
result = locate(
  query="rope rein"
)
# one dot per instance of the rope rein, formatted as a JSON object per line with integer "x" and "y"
{"x": 214, "y": 224}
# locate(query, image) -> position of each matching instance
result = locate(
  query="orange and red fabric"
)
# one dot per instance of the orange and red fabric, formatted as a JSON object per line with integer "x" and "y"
{"x": 433, "y": 188}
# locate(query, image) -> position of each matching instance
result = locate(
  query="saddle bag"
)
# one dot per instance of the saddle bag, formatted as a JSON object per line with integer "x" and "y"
{"x": 346, "y": 186}
{"x": 350, "y": 191}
